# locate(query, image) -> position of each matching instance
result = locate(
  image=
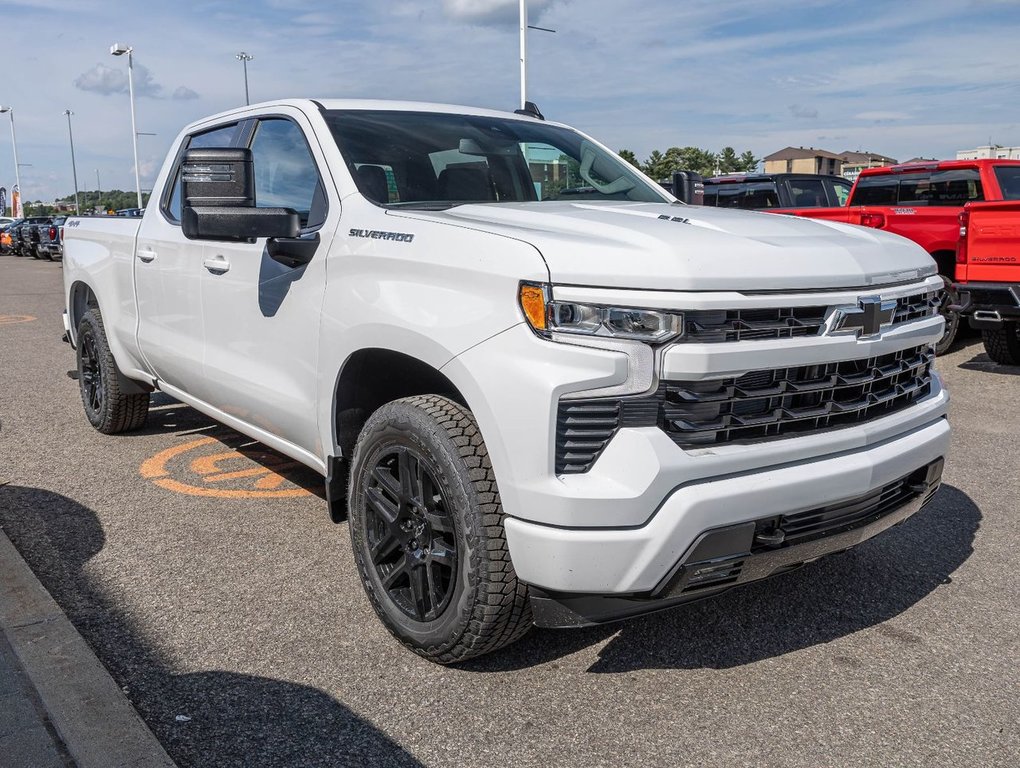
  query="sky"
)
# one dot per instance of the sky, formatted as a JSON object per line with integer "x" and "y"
{"x": 904, "y": 79}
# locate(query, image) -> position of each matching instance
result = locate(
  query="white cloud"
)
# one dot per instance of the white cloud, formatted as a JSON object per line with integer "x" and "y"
{"x": 107, "y": 80}
{"x": 183, "y": 93}
{"x": 803, "y": 113}
{"x": 492, "y": 11}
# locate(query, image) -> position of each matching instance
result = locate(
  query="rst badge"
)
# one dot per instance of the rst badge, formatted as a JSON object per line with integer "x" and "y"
{"x": 867, "y": 319}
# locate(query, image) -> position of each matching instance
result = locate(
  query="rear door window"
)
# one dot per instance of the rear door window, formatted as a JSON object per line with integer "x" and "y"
{"x": 839, "y": 190}
{"x": 1008, "y": 177}
{"x": 876, "y": 190}
{"x": 807, "y": 193}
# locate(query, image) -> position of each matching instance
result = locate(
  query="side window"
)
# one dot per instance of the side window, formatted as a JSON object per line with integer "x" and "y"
{"x": 807, "y": 193}
{"x": 217, "y": 137}
{"x": 285, "y": 171}
{"x": 841, "y": 191}
{"x": 876, "y": 190}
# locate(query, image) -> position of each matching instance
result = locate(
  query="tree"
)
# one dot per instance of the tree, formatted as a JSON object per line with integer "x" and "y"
{"x": 627, "y": 155}
{"x": 689, "y": 159}
{"x": 728, "y": 161}
{"x": 655, "y": 167}
{"x": 748, "y": 162}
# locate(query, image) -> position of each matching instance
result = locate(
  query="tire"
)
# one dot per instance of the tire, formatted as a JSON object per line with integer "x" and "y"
{"x": 106, "y": 407}
{"x": 34, "y": 250}
{"x": 952, "y": 321}
{"x": 427, "y": 530}
{"x": 1003, "y": 345}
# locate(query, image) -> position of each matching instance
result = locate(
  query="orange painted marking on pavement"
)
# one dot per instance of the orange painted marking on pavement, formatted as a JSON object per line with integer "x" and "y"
{"x": 12, "y": 319}
{"x": 207, "y": 469}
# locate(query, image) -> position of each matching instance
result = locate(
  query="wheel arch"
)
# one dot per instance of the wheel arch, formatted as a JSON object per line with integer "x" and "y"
{"x": 80, "y": 299}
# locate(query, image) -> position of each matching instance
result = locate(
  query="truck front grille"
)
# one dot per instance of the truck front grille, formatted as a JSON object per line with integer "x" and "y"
{"x": 759, "y": 405}
{"x": 774, "y": 403}
{"x": 709, "y": 326}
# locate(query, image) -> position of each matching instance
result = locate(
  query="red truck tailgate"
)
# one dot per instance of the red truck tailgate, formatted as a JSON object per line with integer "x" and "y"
{"x": 990, "y": 241}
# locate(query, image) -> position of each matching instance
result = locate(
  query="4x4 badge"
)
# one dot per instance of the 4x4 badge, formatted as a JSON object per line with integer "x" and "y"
{"x": 866, "y": 319}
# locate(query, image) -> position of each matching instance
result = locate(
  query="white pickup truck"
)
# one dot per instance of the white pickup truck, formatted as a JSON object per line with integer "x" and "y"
{"x": 540, "y": 390}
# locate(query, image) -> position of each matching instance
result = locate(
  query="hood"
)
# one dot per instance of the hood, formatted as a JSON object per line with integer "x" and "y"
{"x": 677, "y": 247}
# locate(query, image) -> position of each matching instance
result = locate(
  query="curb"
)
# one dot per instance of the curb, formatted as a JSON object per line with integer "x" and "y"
{"x": 86, "y": 707}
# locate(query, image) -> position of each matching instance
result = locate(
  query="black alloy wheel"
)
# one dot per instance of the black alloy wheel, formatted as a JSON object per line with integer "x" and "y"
{"x": 411, "y": 536}
{"x": 427, "y": 529}
{"x": 90, "y": 375}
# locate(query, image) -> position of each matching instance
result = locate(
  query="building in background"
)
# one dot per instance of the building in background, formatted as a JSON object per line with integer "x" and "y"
{"x": 990, "y": 152}
{"x": 801, "y": 160}
{"x": 855, "y": 162}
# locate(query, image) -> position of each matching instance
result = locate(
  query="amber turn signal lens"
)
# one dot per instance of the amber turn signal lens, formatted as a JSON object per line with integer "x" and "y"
{"x": 532, "y": 298}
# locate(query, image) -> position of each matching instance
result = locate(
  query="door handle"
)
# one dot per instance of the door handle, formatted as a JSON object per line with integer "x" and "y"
{"x": 146, "y": 254}
{"x": 217, "y": 265}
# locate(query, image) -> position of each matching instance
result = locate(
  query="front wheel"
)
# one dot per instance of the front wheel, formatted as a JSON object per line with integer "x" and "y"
{"x": 106, "y": 407}
{"x": 1003, "y": 345}
{"x": 952, "y": 319}
{"x": 427, "y": 530}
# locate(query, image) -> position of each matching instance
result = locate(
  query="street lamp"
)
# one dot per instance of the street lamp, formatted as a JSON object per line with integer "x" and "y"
{"x": 99, "y": 192}
{"x": 244, "y": 58}
{"x": 74, "y": 168}
{"x": 119, "y": 50}
{"x": 525, "y": 26}
{"x": 17, "y": 166}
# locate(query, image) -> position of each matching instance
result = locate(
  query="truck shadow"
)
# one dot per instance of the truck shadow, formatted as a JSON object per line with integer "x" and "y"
{"x": 235, "y": 719}
{"x": 817, "y": 604}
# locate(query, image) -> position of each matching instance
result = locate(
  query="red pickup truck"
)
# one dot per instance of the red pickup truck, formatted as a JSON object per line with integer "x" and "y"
{"x": 988, "y": 276}
{"x": 923, "y": 202}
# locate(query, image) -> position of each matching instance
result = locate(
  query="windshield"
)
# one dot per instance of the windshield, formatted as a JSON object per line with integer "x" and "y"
{"x": 437, "y": 160}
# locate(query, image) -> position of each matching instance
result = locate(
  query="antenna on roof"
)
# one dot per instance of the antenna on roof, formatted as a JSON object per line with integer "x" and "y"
{"x": 531, "y": 110}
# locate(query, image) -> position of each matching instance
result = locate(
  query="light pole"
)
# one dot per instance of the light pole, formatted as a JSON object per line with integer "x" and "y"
{"x": 119, "y": 50}
{"x": 74, "y": 168}
{"x": 244, "y": 58}
{"x": 524, "y": 50}
{"x": 17, "y": 166}
{"x": 99, "y": 191}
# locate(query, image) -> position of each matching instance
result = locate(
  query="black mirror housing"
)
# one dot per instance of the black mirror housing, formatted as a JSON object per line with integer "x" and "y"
{"x": 689, "y": 187}
{"x": 239, "y": 224}
{"x": 218, "y": 196}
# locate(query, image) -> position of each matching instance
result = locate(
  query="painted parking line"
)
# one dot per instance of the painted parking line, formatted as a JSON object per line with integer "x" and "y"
{"x": 225, "y": 468}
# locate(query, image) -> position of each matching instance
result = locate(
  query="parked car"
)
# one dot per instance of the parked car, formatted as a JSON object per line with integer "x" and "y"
{"x": 25, "y": 235}
{"x": 50, "y": 235}
{"x": 530, "y": 409}
{"x": 988, "y": 276}
{"x": 764, "y": 191}
{"x": 923, "y": 202}
{"x": 5, "y": 237}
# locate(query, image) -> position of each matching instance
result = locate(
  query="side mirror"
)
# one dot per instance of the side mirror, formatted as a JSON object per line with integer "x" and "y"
{"x": 689, "y": 187}
{"x": 218, "y": 199}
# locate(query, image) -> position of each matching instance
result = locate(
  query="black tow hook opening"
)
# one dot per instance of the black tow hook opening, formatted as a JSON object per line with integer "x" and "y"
{"x": 770, "y": 538}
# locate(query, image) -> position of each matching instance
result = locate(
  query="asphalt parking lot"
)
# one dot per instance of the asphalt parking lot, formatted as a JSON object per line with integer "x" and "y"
{"x": 204, "y": 572}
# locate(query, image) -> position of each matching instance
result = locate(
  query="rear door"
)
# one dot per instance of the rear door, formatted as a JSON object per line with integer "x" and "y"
{"x": 168, "y": 271}
{"x": 261, "y": 315}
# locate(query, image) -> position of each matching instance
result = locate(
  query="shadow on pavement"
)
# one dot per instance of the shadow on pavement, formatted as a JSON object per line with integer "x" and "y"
{"x": 821, "y": 602}
{"x": 236, "y": 720}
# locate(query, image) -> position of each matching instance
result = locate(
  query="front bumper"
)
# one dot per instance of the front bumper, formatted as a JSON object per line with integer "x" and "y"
{"x": 637, "y": 560}
{"x": 988, "y": 305}
{"x": 727, "y": 557}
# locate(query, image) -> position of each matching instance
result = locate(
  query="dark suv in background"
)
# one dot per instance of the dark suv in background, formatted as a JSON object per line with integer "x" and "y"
{"x": 776, "y": 190}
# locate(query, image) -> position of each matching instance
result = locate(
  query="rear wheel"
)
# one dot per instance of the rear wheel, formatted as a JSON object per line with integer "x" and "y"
{"x": 1003, "y": 345}
{"x": 427, "y": 530}
{"x": 107, "y": 408}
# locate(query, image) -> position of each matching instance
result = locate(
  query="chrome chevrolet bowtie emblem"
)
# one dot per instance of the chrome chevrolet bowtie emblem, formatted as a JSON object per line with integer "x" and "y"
{"x": 866, "y": 319}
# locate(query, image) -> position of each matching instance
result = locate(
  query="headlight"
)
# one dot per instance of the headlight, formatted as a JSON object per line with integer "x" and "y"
{"x": 547, "y": 317}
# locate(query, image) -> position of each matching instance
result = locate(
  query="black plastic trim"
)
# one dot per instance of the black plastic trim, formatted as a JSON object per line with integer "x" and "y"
{"x": 734, "y": 552}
